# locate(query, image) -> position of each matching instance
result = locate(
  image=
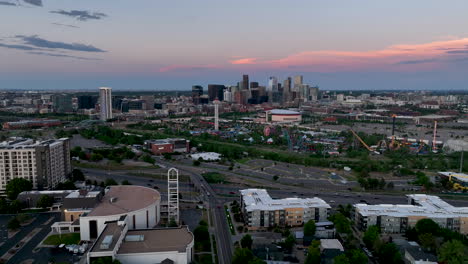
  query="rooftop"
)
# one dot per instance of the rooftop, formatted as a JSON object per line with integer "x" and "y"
{"x": 112, "y": 229}
{"x": 459, "y": 176}
{"x": 259, "y": 199}
{"x": 125, "y": 198}
{"x": 331, "y": 244}
{"x": 425, "y": 205}
{"x": 283, "y": 112}
{"x": 156, "y": 240}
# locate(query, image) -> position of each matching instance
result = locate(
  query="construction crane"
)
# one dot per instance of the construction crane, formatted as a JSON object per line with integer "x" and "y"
{"x": 363, "y": 143}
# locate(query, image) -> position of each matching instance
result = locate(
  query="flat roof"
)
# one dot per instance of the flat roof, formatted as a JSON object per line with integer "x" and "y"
{"x": 125, "y": 198}
{"x": 157, "y": 240}
{"x": 259, "y": 199}
{"x": 283, "y": 112}
{"x": 112, "y": 229}
{"x": 331, "y": 244}
{"x": 425, "y": 205}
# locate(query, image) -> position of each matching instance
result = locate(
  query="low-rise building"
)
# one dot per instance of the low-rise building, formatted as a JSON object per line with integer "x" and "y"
{"x": 148, "y": 246}
{"x": 32, "y": 124}
{"x": 283, "y": 116}
{"x": 398, "y": 218}
{"x": 261, "y": 211}
{"x": 168, "y": 145}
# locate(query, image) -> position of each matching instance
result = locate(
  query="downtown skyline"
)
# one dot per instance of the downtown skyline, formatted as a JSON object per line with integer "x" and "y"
{"x": 158, "y": 45}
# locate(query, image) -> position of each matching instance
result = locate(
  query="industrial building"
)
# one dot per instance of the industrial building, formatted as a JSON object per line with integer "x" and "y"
{"x": 261, "y": 211}
{"x": 44, "y": 163}
{"x": 32, "y": 124}
{"x": 168, "y": 145}
{"x": 398, "y": 218}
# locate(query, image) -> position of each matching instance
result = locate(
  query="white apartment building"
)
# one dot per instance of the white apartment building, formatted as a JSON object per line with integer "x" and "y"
{"x": 105, "y": 103}
{"x": 396, "y": 218}
{"x": 44, "y": 163}
{"x": 261, "y": 211}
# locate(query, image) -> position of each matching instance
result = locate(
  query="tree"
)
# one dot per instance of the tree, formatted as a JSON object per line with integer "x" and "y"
{"x": 45, "y": 201}
{"x": 16, "y": 186}
{"x": 16, "y": 206}
{"x": 371, "y": 236}
{"x": 309, "y": 228}
{"x": 357, "y": 257}
{"x": 289, "y": 242}
{"x": 246, "y": 241}
{"x": 427, "y": 226}
{"x": 196, "y": 163}
{"x": 77, "y": 175}
{"x": 342, "y": 223}
{"x": 68, "y": 185}
{"x": 244, "y": 256}
{"x": 453, "y": 252}
{"x": 389, "y": 254}
{"x": 275, "y": 178}
{"x": 106, "y": 260}
{"x": 341, "y": 259}
{"x": 110, "y": 182}
{"x": 13, "y": 224}
{"x": 126, "y": 182}
{"x": 313, "y": 254}
{"x": 427, "y": 241}
{"x": 173, "y": 223}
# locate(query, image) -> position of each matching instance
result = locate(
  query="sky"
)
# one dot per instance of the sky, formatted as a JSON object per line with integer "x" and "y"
{"x": 172, "y": 45}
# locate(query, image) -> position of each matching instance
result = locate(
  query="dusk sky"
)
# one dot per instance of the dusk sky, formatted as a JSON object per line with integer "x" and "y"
{"x": 166, "y": 45}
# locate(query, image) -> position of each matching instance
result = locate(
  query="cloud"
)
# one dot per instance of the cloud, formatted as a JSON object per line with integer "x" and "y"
{"x": 33, "y": 2}
{"x": 65, "y": 25}
{"x": 5, "y": 3}
{"x": 243, "y": 61}
{"x": 18, "y": 47}
{"x": 60, "y": 55}
{"x": 171, "y": 68}
{"x": 417, "y": 61}
{"x": 43, "y": 43}
{"x": 81, "y": 15}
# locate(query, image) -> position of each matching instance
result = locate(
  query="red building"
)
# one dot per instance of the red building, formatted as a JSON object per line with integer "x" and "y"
{"x": 168, "y": 145}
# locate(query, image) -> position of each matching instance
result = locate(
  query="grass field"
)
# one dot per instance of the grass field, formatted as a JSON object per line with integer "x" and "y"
{"x": 67, "y": 239}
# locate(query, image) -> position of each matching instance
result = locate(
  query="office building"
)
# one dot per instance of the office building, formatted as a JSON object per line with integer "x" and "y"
{"x": 62, "y": 103}
{"x": 245, "y": 82}
{"x": 261, "y": 211}
{"x": 272, "y": 84}
{"x": 148, "y": 102}
{"x": 398, "y": 218}
{"x": 253, "y": 85}
{"x": 87, "y": 101}
{"x": 197, "y": 92}
{"x": 105, "y": 103}
{"x": 216, "y": 91}
{"x": 298, "y": 81}
{"x": 44, "y": 163}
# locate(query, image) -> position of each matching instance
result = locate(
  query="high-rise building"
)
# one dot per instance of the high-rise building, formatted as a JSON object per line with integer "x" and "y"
{"x": 272, "y": 84}
{"x": 216, "y": 91}
{"x": 45, "y": 163}
{"x": 245, "y": 82}
{"x": 87, "y": 101}
{"x": 253, "y": 85}
{"x": 197, "y": 92}
{"x": 62, "y": 103}
{"x": 298, "y": 80}
{"x": 148, "y": 102}
{"x": 105, "y": 103}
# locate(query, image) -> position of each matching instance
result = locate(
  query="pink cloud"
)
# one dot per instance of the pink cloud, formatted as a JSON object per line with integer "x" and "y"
{"x": 396, "y": 57}
{"x": 243, "y": 61}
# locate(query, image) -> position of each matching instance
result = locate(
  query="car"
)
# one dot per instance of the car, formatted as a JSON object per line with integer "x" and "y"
{"x": 155, "y": 187}
{"x": 376, "y": 198}
{"x": 232, "y": 193}
{"x": 151, "y": 180}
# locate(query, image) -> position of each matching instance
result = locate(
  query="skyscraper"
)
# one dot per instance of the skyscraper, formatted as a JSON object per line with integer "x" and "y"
{"x": 272, "y": 84}
{"x": 216, "y": 91}
{"x": 297, "y": 81}
{"x": 245, "y": 82}
{"x": 105, "y": 101}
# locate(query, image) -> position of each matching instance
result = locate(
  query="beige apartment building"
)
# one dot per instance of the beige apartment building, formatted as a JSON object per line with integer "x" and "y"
{"x": 44, "y": 163}
{"x": 261, "y": 211}
{"x": 398, "y": 218}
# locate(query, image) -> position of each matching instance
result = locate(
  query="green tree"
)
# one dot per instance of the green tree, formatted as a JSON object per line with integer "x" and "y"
{"x": 16, "y": 186}
{"x": 313, "y": 254}
{"x": 453, "y": 252}
{"x": 371, "y": 236}
{"x": 357, "y": 257}
{"x": 110, "y": 182}
{"x": 245, "y": 256}
{"x": 389, "y": 254}
{"x": 246, "y": 241}
{"x": 13, "y": 224}
{"x": 105, "y": 260}
{"x": 427, "y": 241}
{"x": 77, "y": 175}
{"x": 16, "y": 206}
{"x": 427, "y": 226}
{"x": 342, "y": 224}
{"x": 309, "y": 228}
{"x": 125, "y": 182}
{"x": 341, "y": 259}
{"x": 68, "y": 185}
{"x": 289, "y": 242}
{"x": 196, "y": 163}
{"x": 45, "y": 201}
{"x": 173, "y": 223}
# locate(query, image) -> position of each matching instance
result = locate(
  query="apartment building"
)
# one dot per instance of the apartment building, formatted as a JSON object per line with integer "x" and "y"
{"x": 44, "y": 163}
{"x": 398, "y": 218}
{"x": 261, "y": 211}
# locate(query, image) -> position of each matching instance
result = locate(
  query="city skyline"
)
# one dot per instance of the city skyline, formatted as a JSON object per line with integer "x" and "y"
{"x": 172, "y": 46}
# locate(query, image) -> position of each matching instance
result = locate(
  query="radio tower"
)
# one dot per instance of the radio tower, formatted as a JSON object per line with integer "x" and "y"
{"x": 173, "y": 195}
{"x": 216, "y": 108}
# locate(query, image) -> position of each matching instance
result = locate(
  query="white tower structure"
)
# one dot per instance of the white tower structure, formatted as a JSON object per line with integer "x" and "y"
{"x": 105, "y": 103}
{"x": 173, "y": 195}
{"x": 216, "y": 108}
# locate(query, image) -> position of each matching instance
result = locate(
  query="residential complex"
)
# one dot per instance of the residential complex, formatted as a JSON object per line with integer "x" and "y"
{"x": 261, "y": 211}
{"x": 44, "y": 163}
{"x": 398, "y": 218}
